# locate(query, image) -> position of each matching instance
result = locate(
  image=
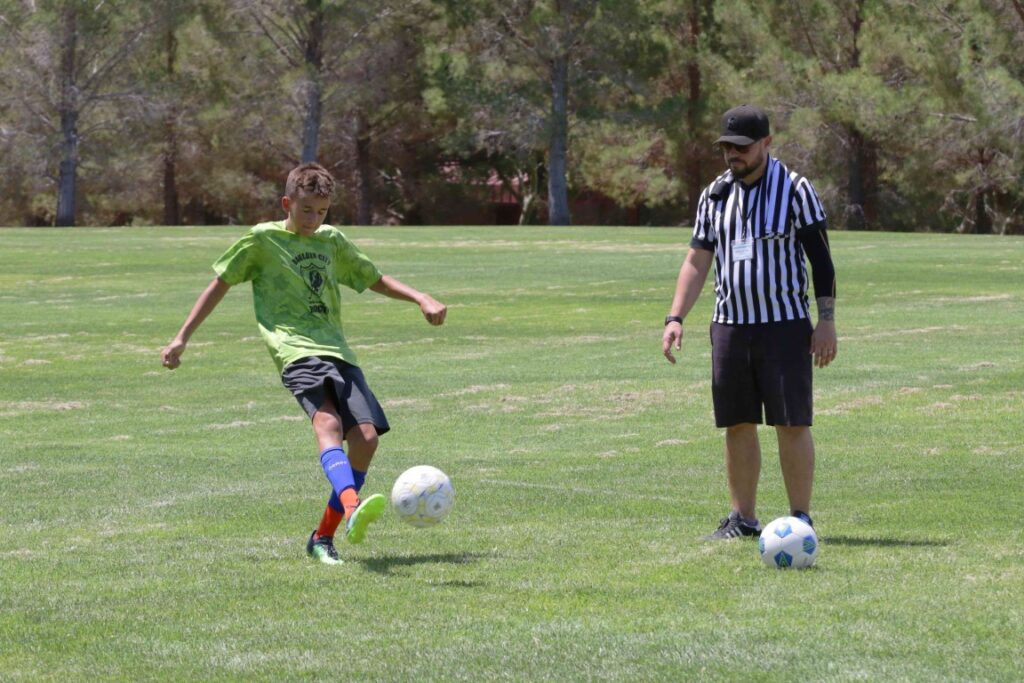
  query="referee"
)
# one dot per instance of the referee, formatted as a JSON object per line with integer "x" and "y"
{"x": 758, "y": 222}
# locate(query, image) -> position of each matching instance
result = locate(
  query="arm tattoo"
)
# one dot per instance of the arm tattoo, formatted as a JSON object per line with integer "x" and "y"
{"x": 826, "y": 308}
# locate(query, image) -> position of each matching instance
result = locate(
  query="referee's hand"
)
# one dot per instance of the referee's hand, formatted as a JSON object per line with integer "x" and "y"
{"x": 824, "y": 343}
{"x": 672, "y": 339}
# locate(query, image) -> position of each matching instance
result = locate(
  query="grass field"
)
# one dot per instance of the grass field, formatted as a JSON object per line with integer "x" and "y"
{"x": 152, "y": 524}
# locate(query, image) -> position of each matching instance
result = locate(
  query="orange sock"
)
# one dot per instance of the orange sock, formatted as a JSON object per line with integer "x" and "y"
{"x": 329, "y": 523}
{"x": 332, "y": 519}
{"x": 349, "y": 500}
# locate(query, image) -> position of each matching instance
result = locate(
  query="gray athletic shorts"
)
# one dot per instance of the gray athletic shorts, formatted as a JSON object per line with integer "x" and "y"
{"x": 762, "y": 367}
{"x": 311, "y": 380}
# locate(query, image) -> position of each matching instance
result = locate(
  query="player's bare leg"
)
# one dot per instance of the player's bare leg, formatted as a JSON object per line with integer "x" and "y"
{"x": 362, "y": 441}
{"x": 327, "y": 428}
{"x": 743, "y": 467}
{"x": 743, "y": 470}
{"x": 796, "y": 455}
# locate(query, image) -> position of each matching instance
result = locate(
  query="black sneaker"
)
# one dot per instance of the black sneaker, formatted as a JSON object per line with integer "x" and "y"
{"x": 804, "y": 517}
{"x": 734, "y": 526}
{"x": 322, "y": 549}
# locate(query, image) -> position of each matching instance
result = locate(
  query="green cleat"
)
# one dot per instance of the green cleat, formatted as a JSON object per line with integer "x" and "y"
{"x": 322, "y": 549}
{"x": 368, "y": 511}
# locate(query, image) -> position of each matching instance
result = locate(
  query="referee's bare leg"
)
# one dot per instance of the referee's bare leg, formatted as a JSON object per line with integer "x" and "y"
{"x": 743, "y": 467}
{"x": 796, "y": 455}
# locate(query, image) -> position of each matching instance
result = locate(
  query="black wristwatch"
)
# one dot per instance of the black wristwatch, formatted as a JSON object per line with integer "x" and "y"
{"x": 673, "y": 319}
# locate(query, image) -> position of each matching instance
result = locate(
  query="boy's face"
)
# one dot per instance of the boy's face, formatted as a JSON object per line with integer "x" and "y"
{"x": 306, "y": 213}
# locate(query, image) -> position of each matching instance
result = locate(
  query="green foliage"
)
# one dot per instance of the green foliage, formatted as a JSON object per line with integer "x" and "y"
{"x": 625, "y": 162}
{"x": 914, "y": 108}
{"x": 978, "y": 122}
{"x": 494, "y": 75}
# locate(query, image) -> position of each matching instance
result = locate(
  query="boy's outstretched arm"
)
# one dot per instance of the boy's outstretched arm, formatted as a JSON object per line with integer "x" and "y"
{"x": 434, "y": 311}
{"x": 207, "y": 301}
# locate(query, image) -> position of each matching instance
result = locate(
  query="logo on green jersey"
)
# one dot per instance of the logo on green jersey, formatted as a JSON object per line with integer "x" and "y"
{"x": 315, "y": 276}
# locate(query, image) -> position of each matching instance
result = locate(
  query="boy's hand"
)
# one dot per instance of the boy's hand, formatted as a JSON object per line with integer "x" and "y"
{"x": 171, "y": 355}
{"x": 434, "y": 311}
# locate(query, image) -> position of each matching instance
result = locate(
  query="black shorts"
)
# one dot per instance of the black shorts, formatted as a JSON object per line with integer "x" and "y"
{"x": 310, "y": 380}
{"x": 762, "y": 367}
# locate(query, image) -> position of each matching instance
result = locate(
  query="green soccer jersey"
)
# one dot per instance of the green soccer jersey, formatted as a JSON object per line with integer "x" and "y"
{"x": 295, "y": 283}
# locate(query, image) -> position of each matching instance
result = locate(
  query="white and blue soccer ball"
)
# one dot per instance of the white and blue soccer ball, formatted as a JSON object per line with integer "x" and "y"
{"x": 788, "y": 542}
{"x": 422, "y": 496}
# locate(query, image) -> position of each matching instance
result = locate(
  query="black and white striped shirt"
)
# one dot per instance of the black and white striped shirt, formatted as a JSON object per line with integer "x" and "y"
{"x": 760, "y": 274}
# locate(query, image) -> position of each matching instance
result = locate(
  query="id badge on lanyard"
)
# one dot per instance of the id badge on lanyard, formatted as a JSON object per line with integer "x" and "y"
{"x": 743, "y": 249}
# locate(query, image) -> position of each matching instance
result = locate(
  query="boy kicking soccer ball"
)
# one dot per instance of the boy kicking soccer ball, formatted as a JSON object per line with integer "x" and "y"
{"x": 295, "y": 267}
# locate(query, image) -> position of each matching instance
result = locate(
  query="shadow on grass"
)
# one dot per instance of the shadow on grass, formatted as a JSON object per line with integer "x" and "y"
{"x": 385, "y": 565}
{"x": 883, "y": 542}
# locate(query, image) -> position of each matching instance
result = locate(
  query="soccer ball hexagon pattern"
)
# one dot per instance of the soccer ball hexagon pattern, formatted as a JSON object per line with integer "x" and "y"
{"x": 788, "y": 543}
{"x": 422, "y": 496}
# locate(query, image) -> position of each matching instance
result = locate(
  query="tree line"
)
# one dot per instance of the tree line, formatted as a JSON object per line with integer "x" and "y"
{"x": 905, "y": 114}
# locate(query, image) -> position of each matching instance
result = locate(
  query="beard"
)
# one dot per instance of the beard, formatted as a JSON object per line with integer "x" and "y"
{"x": 741, "y": 169}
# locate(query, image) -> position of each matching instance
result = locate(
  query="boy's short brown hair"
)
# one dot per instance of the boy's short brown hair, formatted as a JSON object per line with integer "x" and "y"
{"x": 309, "y": 179}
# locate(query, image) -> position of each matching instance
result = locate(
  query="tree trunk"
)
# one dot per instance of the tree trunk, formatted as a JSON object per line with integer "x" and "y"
{"x": 862, "y": 177}
{"x": 68, "y": 118}
{"x": 862, "y": 158}
{"x": 529, "y": 211}
{"x": 558, "y": 189}
{"x": 693, "y": 174}
{"x": 364, "y": 171}
{"x": 314, "y": 88}
{"x": 172, "y": 213}
{"x": 854, "y": 183}
{"x": 68, "y": 169}
{"x": 311, "y": 126}
{"x": 982, "y": 220}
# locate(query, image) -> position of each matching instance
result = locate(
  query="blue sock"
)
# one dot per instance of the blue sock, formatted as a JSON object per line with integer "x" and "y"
{"x": 358, "y": 478}
{"x": 337, "y": 469}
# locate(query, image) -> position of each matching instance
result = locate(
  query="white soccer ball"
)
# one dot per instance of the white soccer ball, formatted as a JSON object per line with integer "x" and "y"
{"x": 788, "y": 542}
{"x": 422, "y": 495}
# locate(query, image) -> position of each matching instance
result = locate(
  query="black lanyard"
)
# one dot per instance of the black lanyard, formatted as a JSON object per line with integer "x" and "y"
{"x": 749, "y": 204}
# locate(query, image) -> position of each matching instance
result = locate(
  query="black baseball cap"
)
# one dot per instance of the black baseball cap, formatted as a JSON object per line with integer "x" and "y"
{"x": 744, "y": 125}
